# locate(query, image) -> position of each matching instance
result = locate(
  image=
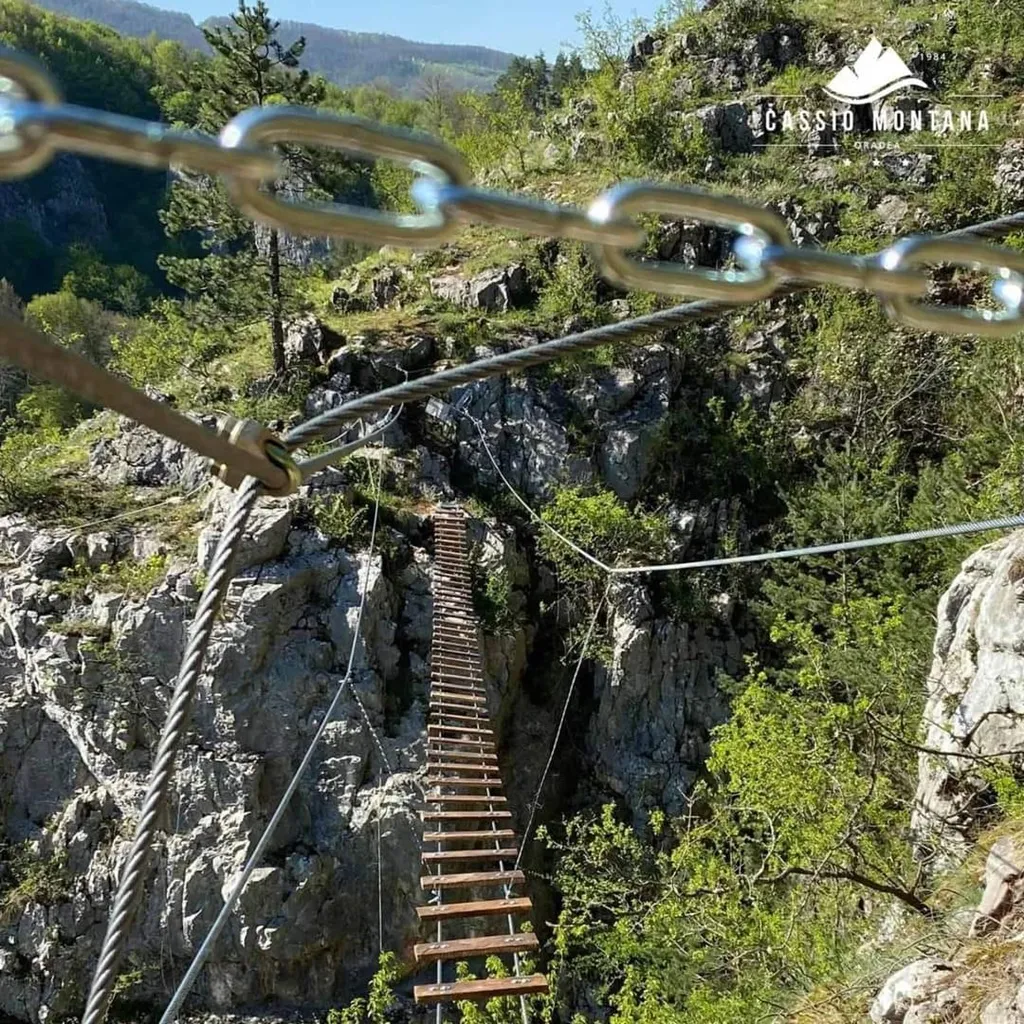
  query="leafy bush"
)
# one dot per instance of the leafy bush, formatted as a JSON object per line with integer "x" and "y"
{"x": 32, "y": 880}
{"x": 375, "y": 1008}
{"x": 604, "y": 526}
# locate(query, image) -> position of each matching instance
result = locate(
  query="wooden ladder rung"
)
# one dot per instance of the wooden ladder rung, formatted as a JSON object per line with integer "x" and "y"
{"x": 475, "y": 908}
{"x": 454, "y": 780}
{"x": 465, "y": 815}
{"x": 441, "y": 766}
{"x": 471, "y": 878}
{"x": 485, "y": 988}
{"x": 465, "y": 798}
{"x": 460, "y": 730}
{"x": 475, "y": 835}
{"x": 467, "y": 755}
{"x": 445, "y": 743}
{"x": 480, "y": 945}
{"x": 443, "y": 856}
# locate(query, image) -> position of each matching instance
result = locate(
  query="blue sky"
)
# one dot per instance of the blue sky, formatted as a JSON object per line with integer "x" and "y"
{"x": 519, "y": 26}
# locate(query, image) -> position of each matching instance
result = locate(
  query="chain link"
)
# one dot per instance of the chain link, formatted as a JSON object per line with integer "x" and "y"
{"x": 35, "y": 123}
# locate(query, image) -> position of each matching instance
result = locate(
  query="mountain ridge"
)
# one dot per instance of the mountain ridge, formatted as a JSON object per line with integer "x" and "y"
{"x": 343, "y": 57}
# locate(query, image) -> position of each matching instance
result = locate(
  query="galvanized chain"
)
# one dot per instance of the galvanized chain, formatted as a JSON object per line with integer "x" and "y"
{"x": 35, "y": 123}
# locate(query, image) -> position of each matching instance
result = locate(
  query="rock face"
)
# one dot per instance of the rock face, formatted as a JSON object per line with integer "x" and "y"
{"x": 915, "y": 995}
{"x": 975, "y": 700}
{"x": 138, "y": 456}
{"x": 87, "y": 684}
{"x": 495, "y": 290}
{"x": 1004, "y": 874}
{"x": 655, "y": 705}
{"x": 71, "y": 211}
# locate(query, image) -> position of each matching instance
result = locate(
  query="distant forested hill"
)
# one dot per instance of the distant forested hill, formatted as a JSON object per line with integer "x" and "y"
{"x": 346, "y": 58}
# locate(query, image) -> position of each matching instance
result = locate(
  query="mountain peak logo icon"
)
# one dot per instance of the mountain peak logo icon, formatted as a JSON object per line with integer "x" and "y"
{"x": 878, "y": 71}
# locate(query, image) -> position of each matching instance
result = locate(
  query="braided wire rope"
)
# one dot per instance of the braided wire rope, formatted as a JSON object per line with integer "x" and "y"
{"x": 570, "y": 345}
{"x": 133, "y": 876}
{"x": 253, "y": 861}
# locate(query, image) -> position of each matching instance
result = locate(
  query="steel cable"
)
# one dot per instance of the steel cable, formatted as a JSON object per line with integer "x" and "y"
{"x": 133, "y": 876}
{"x": 572, "y": 344}
{"x": 185, "y": 986}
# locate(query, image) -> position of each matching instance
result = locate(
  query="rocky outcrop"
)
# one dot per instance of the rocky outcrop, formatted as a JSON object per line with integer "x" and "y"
{"x": 975, "y": 704}
{"x": 309, "y": 340}
{"x": 70, "y": 209}
{"x": 1004, "y": 884}
{"x": 1009, "y": 175}
{"x": 495, "y": 290}
{"x": 657, "y": 702}
{"x": 921, "y": 992}
{"x": 140, "y": 457}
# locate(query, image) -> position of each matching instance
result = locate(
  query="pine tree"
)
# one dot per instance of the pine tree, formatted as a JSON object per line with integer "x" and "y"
{"x": 241, "y": 275}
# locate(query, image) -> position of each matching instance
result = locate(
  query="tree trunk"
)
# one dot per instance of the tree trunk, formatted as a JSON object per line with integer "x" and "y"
{"x": 276, "y": 304}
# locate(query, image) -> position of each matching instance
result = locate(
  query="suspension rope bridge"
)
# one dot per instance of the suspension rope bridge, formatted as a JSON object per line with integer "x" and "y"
{"x": 469, "y": 818}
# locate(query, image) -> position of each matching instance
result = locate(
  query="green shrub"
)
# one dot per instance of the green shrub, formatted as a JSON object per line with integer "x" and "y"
{"x": 375, "y": 1008}
{"x": 33, "y": 881}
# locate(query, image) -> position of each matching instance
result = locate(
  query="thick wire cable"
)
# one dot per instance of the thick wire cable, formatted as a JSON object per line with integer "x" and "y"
{"x": 931, "y": 533}
{"x": 561, "y": 723}
{"x": 185, "y": 986}
{"x": 572, "y": 344}
{"x": 133, "y": 876}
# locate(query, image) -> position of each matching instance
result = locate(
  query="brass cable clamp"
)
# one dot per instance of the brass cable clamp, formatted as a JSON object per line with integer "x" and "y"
{"x": 253, "y": 437}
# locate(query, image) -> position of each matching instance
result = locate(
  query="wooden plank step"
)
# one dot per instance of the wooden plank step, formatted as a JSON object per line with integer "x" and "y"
{"x": 464, "y": 692}
{"x": 469, "y": 755}
{"x": 465, "y": 815}
{"x": 459, "y": 730}
{"x": 465, "y": 798}
{"x": 442, "y": 679}
{"x": 481, "y": 945}
{"x": 506, "y": 853}
{"x": 459, "y": 707}
{"x": 455, "y": 780}
{"x": 453, "y": 717}
{"x": 474, "y": 908}
{"x": 442, "y": 744}
{"x": 472, "y": 836}
{"x": 466, "y": 700}
{"x": 441, "y": 766}
{"x": 470, "y": 878}
{"x": 482, "y": 990}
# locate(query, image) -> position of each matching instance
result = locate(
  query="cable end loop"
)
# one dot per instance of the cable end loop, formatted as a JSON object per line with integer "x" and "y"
{"x": 283, "y": 476}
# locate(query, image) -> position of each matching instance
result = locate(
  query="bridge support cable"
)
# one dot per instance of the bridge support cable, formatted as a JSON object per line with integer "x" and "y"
{"x": 185, "y": 985}
{"x": 467, "y": 822}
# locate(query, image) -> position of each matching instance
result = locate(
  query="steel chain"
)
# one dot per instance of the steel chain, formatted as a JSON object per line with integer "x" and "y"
{"x": 35, "y": 123}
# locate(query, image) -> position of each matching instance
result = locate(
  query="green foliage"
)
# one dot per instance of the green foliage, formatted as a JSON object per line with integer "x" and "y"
{"x": 495, "y": 600}
{"x": 601, "y": 524}
{"x": 121, "y": 287}
{"x": 340, "y": 519}
{"x": 167, "y": 345}
{"x": 127, "y": 576}
{"x": 242, "y": 275}
{"x": 31, "y": 880}
{"x": 381, "y": 998}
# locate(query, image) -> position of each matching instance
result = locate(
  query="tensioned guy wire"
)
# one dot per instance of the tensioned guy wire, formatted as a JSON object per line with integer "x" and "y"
{"x": 185, "y": 986}
{"x": 931, "y": 533}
